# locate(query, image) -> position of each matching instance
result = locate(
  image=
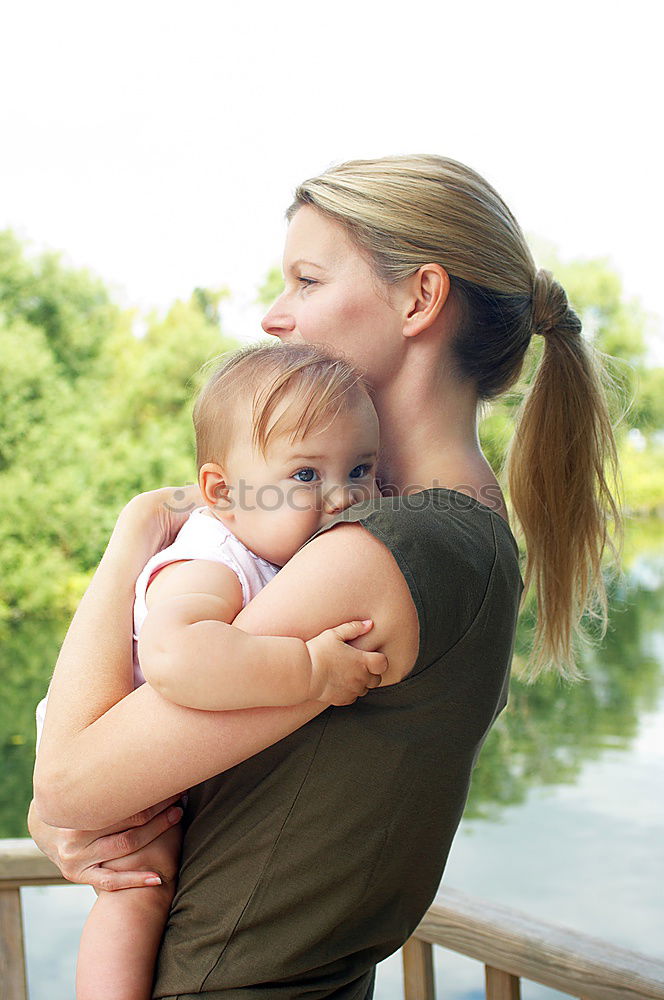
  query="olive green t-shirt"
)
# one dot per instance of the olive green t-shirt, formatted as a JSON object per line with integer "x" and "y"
{"x": 307, "y": 864}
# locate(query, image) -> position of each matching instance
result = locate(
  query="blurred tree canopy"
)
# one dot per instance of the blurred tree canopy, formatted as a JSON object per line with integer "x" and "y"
{"x": 90, "y": 414}
{"x": 271, "y": 287}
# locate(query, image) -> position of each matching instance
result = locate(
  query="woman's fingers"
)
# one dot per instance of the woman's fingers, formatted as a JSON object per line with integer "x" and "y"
{"x": 78, "y": 853}
{"x": 123, "y": 842}
{"x": 174, "y": 505}
{"x": 106, "y": 880}
{"x": 165, "y": 510}
{"x": 141, "y": 818}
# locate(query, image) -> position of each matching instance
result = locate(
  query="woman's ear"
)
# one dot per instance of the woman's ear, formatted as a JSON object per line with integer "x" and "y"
{"x": 214, "y": 486}
{"x": 428, "y": 292}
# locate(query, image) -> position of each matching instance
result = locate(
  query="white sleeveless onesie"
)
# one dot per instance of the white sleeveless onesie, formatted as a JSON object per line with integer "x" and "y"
{"x": 203, "y": 536}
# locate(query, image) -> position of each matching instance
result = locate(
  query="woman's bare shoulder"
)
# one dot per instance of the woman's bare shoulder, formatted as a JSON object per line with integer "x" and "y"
{"x": 344, "y": 574}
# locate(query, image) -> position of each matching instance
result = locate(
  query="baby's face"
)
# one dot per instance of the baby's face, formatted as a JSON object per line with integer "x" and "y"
{"x": 279, "y": 501}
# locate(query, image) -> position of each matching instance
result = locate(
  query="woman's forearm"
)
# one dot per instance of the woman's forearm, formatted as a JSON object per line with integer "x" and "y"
{"x": 145, "y": 749}
{"x": 94, "y": 668}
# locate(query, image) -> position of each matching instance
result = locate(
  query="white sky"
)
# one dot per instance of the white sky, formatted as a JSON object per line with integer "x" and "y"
{"x": 158, "y": 143}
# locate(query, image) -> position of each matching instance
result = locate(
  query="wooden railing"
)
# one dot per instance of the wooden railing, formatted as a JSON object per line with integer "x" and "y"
{"x": 511, "y": 945}
{"x": 514, "y": 946}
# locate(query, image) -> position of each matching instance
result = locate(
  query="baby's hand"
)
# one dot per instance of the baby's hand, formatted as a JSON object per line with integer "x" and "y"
{"x": 342, "y": 673}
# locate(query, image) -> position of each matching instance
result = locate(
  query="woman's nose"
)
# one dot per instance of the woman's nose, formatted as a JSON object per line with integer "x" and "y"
{"x": 278, "y": 321}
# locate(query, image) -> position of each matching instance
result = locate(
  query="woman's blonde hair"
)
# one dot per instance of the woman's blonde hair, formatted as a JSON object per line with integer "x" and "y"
{"x": 562, "y": 468}
{"x": 315, "y": 384}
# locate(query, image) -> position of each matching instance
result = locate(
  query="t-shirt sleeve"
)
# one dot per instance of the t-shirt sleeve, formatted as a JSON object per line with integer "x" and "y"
{"x": 447, "y": 570}
{"x": 445, "y": 555}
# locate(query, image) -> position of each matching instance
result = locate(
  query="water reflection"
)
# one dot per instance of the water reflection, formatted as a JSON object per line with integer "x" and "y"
{"x": 546, "y": 735}
{"x": 550, "y": 730}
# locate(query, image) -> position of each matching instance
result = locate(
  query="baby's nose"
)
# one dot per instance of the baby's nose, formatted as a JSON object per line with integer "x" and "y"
{"x": 340, "y": 497}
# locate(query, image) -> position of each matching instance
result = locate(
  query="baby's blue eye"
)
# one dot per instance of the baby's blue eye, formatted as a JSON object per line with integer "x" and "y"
{"x": 362, "y": 473}
{"x": 306, "y": 472}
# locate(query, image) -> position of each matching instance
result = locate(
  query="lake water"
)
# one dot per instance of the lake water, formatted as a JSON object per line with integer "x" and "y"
{"x": 565, "y": 819}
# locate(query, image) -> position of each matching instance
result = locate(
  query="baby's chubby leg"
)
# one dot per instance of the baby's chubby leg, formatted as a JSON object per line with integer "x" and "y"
{"x": 121, "y": 936}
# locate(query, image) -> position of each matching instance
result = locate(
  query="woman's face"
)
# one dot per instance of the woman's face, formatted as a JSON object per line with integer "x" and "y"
{"x": 332, "y": 297}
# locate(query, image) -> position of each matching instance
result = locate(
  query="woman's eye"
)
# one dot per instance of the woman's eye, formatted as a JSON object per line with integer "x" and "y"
{"x": 308, "y": 473}
{"x": 362, "y": 470}
{"x": 307, "y": 282}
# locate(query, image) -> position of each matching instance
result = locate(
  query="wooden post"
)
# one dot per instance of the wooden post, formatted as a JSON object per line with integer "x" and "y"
{"x": 418, "y": 970}
{"x": 501, "y": 985}
{"x": 12, "y": 959}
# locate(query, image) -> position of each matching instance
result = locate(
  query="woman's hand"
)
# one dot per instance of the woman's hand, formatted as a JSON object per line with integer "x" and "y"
{"x": 161, "y": 513}
{"x": 80, "y": 854}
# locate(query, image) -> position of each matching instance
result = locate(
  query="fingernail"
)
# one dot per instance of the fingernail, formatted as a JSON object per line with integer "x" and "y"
{"x": 174, "y": 814}
{"x": 366, "y": 621}
{"x": 153, "y": 880}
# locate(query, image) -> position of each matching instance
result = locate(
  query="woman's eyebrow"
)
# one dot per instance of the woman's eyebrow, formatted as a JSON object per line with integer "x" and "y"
{"x": 301, "y": 262}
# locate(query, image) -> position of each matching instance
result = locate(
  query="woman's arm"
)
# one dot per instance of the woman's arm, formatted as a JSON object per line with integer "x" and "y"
{"x": 105, "y": 755}
{"x": 94, "y": 667}
{"x": 192, "y": 654}
{"x": 81, "y": 854}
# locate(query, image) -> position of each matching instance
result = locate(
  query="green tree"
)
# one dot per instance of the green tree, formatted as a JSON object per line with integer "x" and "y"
{"x": 90, "y": 414}
{"x": 71, "y": 308}
{"x": 271, "y": 288}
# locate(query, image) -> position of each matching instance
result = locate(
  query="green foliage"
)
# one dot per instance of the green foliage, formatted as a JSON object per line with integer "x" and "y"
{"x": 642, "y": 470}
{"x": 207, "y": 300}
{"x": 272, "y": 287}
{"x": 90, "y": 415}
{"x": 70, "y": 308}
{"x": 32, "y": 390}
{"x": 648, "y": 412}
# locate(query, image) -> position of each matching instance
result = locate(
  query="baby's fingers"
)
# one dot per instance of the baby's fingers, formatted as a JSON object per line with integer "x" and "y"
{"x": 351, "y": 630}
{"x": 376, "y": 663}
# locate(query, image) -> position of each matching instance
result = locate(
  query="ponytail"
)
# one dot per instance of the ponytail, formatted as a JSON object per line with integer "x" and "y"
{"x": 564, "y": 482}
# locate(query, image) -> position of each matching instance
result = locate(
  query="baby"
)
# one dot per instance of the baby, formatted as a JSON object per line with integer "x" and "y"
{"x": 286, "y": 437}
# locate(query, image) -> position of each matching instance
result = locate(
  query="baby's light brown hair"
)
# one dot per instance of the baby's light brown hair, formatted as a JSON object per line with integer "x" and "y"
{"x": 318, "y": 385}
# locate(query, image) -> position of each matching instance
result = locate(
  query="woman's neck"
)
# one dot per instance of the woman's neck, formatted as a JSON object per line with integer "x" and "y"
{"x": 429, "y": 436}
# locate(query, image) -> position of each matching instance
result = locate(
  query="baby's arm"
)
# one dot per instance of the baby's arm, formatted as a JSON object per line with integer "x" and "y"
{"x": 191, "y": 653}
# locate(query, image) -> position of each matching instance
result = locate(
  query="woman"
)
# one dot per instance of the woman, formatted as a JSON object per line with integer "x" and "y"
{"x": 310, "y": 861}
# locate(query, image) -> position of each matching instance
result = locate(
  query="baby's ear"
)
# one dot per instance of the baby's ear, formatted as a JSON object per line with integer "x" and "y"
{"x": 213, "y": 486}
